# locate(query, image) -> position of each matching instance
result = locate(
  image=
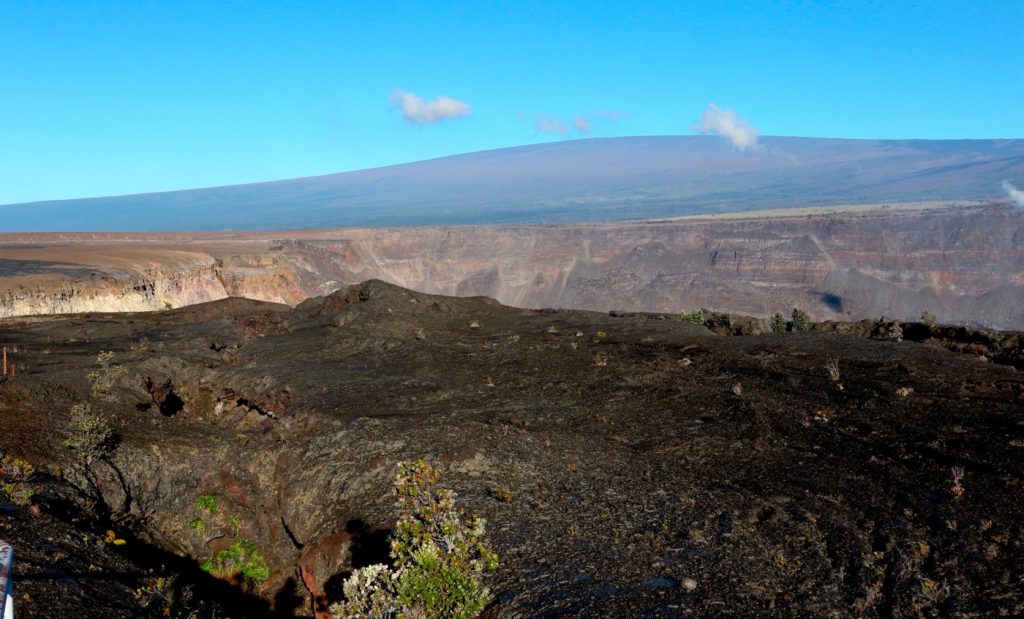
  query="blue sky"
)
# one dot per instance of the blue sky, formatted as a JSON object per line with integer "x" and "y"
{"x": 103, "y": 98}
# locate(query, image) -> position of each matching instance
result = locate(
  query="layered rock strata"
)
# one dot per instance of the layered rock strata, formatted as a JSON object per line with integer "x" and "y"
{"x": 962, "y": 265}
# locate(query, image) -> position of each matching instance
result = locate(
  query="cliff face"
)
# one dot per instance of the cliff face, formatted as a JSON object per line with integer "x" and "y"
{"x": 150, "y": 285}
{"x": 964, "y": 265}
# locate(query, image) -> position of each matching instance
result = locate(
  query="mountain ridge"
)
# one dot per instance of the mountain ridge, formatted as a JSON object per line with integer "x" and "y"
{"x": 595, "y": 179}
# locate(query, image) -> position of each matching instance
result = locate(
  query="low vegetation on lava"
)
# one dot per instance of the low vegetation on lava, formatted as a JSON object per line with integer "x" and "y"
{"x": 238, "y": 459}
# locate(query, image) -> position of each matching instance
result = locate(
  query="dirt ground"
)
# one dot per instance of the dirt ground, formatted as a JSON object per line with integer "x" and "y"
{"x": 627, "y": 465}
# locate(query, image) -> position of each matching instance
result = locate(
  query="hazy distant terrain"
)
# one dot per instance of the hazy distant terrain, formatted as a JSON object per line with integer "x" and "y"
{"x": 609, "y": 179}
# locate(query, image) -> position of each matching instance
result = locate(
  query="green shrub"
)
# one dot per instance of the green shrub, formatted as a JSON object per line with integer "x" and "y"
{"x": 832, "y": 369}
{"x": 207, "y": 503}
{"x": 778, "y": 323}
{"x": 439, "y": 556}
{"x": 239, "y": 560}
{"x": 234, "y": 523}
{"x": 15, "y": 480}
{"x": 89, "y": 438}
{"x": 801, "y": 320}
{"x": 929, "y": 319}
{"x": 696, "y": 317}
{"x": 102, "y": 380}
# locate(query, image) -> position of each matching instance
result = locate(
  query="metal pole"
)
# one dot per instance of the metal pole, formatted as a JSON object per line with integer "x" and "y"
{"x": 6, "y": 582}
{"x": 5, "y": 361}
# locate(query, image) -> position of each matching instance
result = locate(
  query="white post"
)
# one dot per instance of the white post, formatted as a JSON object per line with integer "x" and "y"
{"x": 6, "y": 582}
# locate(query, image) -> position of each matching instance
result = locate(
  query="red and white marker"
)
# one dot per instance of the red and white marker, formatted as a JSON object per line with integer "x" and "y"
{"x": 6, "y": 584}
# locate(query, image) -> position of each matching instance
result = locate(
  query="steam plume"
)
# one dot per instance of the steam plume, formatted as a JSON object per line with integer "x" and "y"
{"x": 582, "y": 124}
{"x": 726, "y": 124}
{"x": 1016, "y": 195}
{"x": 550, "y": 124}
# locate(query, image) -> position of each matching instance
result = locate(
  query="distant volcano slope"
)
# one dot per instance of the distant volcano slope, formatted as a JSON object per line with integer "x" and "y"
{"x": 610, "y": 179}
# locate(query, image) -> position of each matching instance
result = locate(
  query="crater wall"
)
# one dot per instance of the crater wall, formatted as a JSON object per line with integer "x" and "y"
{"x": 961, "y": 264}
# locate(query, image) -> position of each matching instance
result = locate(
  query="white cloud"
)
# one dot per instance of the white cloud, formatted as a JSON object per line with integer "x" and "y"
{"x": 1016, "y": 195}
{"x": 726, "y": 124}
{"x": 582, "y": 124}
{"x": 420, "y": 112}
{"x": 545, "y": 123}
